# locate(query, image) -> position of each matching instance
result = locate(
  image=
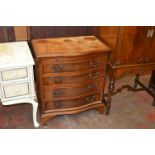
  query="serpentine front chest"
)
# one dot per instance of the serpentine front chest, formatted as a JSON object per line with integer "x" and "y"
{"x": 70, "y": 74}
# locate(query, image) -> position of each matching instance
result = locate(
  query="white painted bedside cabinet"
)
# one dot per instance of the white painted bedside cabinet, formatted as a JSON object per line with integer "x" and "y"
{"x": 16, "y": 76}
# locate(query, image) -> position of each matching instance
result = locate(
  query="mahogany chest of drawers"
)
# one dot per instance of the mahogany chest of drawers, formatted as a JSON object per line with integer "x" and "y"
{"x": 70, "y": 75}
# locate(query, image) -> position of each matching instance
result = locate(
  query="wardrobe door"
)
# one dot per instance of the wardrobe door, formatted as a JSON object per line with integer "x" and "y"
{"x": 109, "y": 35}
{"x": 132, "y": 45}
{"x": 141, "y": 45}
{"x": 151, "y": 54}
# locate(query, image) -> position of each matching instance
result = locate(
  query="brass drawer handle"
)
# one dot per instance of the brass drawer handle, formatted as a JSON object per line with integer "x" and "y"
{"x": 57, "y": 79}
{"x": 91, "y": 86}
{"x": 57, "y": 104}
{"x": 94, "y": 63}
{"x": 91, "y": 98}
{"x": 57, "y": 93}
{"x": 57, "y": 68}
{"x": 93, "y": 75}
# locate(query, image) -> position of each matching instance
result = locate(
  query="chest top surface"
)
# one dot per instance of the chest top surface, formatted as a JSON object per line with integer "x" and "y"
{"x": 15, "y": 54}
{"x": 70, "y": 46}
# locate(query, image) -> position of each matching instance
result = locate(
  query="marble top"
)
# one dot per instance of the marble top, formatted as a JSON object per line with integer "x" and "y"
{"x": 15, "y": 54}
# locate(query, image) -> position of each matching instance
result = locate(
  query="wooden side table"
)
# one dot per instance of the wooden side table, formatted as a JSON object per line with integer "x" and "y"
{"x": 16, "y": 76}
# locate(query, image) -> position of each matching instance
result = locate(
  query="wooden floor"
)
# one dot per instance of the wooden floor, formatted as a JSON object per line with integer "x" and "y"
{"x": 129, "y": 110}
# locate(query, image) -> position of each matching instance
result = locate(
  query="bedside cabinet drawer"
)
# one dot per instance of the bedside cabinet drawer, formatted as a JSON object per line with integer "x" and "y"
{"x": 14, "y": 74}
{"x": 15, "y": 90}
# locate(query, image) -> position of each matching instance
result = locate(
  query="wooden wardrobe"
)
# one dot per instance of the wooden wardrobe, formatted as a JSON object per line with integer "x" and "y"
{"x": 133, "y": 51}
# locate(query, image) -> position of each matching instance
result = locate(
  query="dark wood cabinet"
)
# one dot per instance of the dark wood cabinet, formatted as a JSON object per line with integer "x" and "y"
{"x": 131, "y": 45}
{"x": 151, "y": 48}
{"x": 7, "y": 33}
{"x": 40, "y": 32}
{"x": 70, "y": 75}
{"x": 124, "y": 48}
{"x": 132, "y": 52}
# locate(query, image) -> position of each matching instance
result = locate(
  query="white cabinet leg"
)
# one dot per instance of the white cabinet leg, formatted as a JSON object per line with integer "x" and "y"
{"x": 34, "y": 103}
{"x": 35, "y": 107}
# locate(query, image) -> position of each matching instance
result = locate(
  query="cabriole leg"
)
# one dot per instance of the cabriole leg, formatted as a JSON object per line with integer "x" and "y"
{"x": 35, "y": 107}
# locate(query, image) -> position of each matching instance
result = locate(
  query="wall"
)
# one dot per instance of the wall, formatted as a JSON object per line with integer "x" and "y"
{"x": 17, "y": 33}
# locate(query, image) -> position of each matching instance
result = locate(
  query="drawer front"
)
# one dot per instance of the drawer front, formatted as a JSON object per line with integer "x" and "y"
{"x": 15, "y": 90}
{"x": 73, "y": 79}
{"x": 74, "y": 66}
{"x": 60, "y": 104}
{"x": 14, "y": 74}
{"x": 50, "y": 94}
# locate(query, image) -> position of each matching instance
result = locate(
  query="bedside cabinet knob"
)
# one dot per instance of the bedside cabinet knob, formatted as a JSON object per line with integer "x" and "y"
{"x": 17, "y": 91}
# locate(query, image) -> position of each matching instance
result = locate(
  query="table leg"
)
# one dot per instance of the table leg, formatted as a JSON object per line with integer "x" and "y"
{"x": 111, "y": 88}
{"x": 35, "y": 107}
{"x": 153, "y": 103}
{"x": 32, "y": 101}
{"x": 136, "y": 79}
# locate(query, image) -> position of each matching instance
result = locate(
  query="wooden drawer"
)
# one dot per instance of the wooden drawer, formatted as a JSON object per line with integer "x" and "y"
{"x": 71, "y": 92}
{"x": 73, "y": 79}
{"x": 65, "y": 104}
{"x": 74, "y": 66}
{"x": 15, "y": 90}
{"x": 14, "y": 74}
